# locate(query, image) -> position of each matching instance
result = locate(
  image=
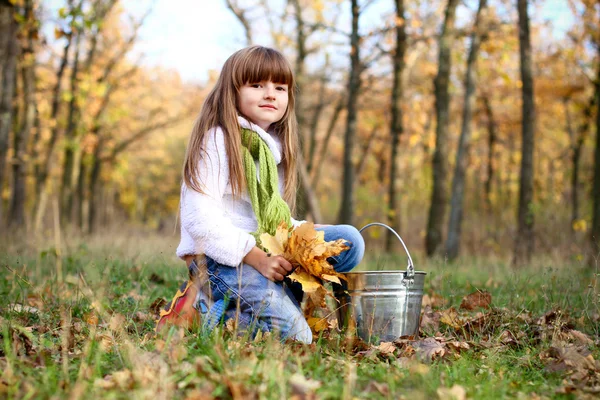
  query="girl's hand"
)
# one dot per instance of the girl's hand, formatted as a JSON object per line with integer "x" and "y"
{"x": 274, "y": 268}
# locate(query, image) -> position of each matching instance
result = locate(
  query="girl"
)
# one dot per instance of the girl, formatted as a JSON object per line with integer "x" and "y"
{"x": 240, "y": 181}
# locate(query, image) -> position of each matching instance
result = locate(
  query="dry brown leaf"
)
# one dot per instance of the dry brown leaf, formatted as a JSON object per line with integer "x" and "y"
{"x": 386, "y": 348}
{"x": 569, "y": 358}
{"x": 376, "y": 387}
{"x": 302, "y": 386}
{"x": 458, "y": 346}
{"x": 580, "y": 337}
{"x": 91, "y": 318}
{"x": 507, "y": 338}
{"x": 429, "y": 349}
{"x": 430, "y": 320}
{"x": 477, "y": 299}
{"x": 456, "y": 392}
{"x": 333, "y": 323}
{"x": 123, "y": 379}
{"x": 117, "y": 322}
{"x": 450, "y": 317}
{"x": 197, "y": 394}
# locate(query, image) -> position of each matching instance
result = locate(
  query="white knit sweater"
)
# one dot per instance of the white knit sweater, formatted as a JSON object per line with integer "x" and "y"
{"x": 216, "y": 223}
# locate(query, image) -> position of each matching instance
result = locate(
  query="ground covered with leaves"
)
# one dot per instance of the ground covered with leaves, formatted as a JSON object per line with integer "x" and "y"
{"x": 78, "y": 323}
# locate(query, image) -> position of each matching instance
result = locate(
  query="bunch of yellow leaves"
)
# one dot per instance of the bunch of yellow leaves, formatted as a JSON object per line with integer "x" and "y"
{"x": 306, "y": 249}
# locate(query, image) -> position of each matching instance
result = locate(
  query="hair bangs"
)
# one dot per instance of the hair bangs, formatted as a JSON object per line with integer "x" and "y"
{"x": 264, "y": 64}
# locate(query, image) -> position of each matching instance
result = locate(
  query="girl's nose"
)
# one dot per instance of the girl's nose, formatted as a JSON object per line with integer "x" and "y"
{"x": 269, "y": 91}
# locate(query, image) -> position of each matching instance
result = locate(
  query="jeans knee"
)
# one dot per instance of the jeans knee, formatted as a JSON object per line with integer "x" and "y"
{"x": 358, "y": 243}
{"x": 300, "y": 331}
{"x": 354, "y": 255}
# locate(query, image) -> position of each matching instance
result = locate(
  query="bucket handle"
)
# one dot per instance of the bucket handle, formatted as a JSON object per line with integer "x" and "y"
{"x": 410, "y": 269}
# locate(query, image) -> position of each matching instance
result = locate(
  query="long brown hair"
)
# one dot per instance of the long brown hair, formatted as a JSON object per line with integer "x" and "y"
{"x": 249, "y": 65}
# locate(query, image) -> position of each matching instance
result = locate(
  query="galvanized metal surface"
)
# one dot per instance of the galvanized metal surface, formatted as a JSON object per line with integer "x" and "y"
{"x": 384, "y": 305}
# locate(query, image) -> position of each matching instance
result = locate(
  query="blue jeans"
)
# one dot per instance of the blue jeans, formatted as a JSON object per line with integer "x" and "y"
{"x": 267, "y": 305}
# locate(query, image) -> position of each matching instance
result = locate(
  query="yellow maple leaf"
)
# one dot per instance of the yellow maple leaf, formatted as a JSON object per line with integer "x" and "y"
{"x": 276, "y": 244}
{"x": 306, "y": 249}
{"x": 309, "y": 283}
{"x": 317, "y": 324}
{"x": 331, "y": 278}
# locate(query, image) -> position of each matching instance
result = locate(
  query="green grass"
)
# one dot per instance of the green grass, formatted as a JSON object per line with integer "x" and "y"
{"x": 91, "y": 333}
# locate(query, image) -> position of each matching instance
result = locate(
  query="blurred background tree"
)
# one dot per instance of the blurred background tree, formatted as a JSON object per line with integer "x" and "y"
{"x": 414, "y": 113}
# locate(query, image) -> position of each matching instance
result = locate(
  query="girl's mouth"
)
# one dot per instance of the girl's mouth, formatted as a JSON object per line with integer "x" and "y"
{"x": 269, "y": 106}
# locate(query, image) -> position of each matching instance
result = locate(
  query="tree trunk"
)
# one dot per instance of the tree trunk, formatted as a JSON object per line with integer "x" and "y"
{"x": 309, "y": 194}
{"x": 595, "y": 231}
{"x": 577, "y": 145}
{"x": 316, "y": 171}
{"x": 365, "y": 151}
{"x": 525, "y": 236}
{"x": 80, "y": 192}
{"x": 318, "y": 110}
{"x": 347, "y": 207}
{"x": 94, "y": 188}
{"x": 396, "y": 123}
{"x": 462, "y": 154}
{"x": 240, "y": 14}
{"x": 301, "y": 54}
{"x": 66, "y": 188}
{"x": 8, "y": 27}
{"x": 492, "y": 138}
{"x": 437, "y": 208}
{"x": 302, "y": 201}
{"x": 44, "y": 170}
{"x": 21, "y": 141}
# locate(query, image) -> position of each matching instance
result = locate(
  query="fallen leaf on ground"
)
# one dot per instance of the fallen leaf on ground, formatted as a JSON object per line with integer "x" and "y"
{"x": 507, "y": 338}
{"x": 386, "y": 348}
{"x": 450, "y": 317}
{"x": 430, "y": 320}
{"x": 477, "y": 299}
{"x": 302, "y": 386}
{"x": 117, "y": 322}
{"x": 456, "y": 392}
{"x": 91, "y": 318}
{"x": 580, "y": 337}
{"x": 376, "y": 387}
{"x": 458, "y": 346}
{"x": 569, "y": 358}
{"x": 429, "y": 349}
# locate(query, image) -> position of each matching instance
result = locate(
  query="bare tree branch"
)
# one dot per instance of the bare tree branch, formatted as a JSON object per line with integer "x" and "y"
{"x": 241, "y": 15}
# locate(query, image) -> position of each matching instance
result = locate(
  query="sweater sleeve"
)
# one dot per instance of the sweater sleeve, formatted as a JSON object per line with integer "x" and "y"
{"x": 203, "y": 214}
{"x": 296, "y": 223}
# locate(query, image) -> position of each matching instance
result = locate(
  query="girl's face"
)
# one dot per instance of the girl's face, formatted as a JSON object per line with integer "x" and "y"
{"x": 264, "y": 103}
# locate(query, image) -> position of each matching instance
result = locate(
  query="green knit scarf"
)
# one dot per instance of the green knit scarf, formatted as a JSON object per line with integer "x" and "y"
{"x": 270, "y": 209}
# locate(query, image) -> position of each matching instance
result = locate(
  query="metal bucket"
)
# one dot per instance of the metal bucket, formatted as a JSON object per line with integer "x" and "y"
{"x": 384, "y": 305}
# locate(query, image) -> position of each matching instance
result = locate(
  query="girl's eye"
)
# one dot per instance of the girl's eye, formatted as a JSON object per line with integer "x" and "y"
{"x": 255, "y": 85}
{"x": 281, "y": 88}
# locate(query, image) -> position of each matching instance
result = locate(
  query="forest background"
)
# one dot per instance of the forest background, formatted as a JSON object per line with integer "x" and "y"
{"x": 410, "y": 113}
